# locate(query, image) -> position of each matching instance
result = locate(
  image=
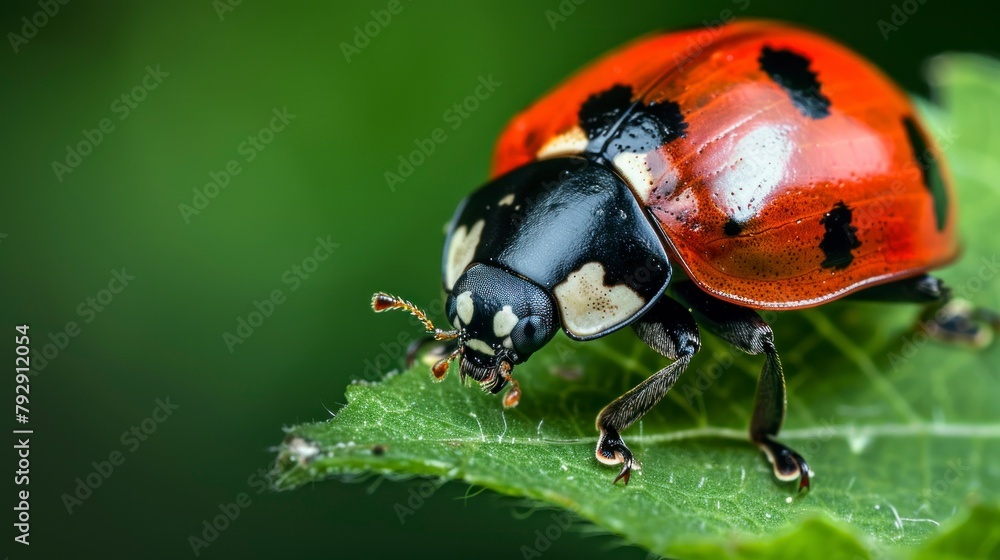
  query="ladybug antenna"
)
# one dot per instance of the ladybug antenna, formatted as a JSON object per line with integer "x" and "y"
{"x": 382, "y": 301}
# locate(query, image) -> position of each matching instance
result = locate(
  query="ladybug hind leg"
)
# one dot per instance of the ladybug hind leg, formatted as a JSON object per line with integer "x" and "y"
{"x": 669, "y": 329}
{"x": 744, "y": 329}
{"x": 944, "y": 318}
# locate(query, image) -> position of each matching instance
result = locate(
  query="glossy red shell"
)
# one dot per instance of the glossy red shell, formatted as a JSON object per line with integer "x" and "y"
{"x": 748, "y": 196}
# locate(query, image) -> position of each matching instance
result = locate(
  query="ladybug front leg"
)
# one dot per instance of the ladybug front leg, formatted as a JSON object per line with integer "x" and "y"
{"x": 669, "y": 329}
{"x": 744, "y": 329}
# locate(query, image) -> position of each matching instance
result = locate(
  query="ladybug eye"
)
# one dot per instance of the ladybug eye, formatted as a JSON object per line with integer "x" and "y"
{"x": 529, "y": 335}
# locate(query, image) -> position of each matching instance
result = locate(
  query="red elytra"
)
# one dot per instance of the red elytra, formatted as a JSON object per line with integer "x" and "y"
{"x": 792, "y": 185}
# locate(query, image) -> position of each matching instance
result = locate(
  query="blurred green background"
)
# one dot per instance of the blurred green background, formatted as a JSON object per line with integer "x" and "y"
{"x": 214, "y": 75}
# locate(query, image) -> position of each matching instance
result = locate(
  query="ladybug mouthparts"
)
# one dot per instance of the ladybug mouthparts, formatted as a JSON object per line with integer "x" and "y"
{"x": 492, "y": 378}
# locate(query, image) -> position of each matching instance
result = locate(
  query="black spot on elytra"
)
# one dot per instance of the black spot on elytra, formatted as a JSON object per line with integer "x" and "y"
{"x": 668, "y": 115}
{"x": 614, "y": 123}
{"x": 791, "y": 71}
{"x": 840, "y": 237}
{"x": 601, "y": 111}
{"x": 732, "y": 227}
{"x": 929, "y": 170}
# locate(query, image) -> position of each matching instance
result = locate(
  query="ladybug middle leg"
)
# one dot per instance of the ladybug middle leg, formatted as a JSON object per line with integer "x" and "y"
{"x": 669, "y": 329}
{"x": 743, "y": 328}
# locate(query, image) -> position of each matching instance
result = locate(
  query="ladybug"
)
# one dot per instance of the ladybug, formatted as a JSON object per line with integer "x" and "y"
{"x": 666, "y": 190}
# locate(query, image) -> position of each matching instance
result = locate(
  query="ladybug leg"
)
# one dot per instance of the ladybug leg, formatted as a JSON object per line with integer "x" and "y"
{"x": 438, "y": 349}
{"x": 669, "y": 329}
{"x": 744, "y": 329}
{"x": 920, "y": 289}
{"x": 945, "y": 318}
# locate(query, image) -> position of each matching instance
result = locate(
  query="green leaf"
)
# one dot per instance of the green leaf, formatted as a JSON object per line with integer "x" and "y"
{"x": 903, "y": 433}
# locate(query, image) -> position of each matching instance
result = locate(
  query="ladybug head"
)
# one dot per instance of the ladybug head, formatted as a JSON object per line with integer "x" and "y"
{"x": 501, "y": 319}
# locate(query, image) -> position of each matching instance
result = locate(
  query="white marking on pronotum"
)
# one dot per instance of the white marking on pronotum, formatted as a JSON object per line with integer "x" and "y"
{"x": 461, "y": 250}
{"x": 480, "y": 346}
{"x": 573, "y": 141}
{"x": 507, "y": 200}
{"x": 589, "y": 306}
{"x": 504, "y": 321}
{"x": 464, "y": 307}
